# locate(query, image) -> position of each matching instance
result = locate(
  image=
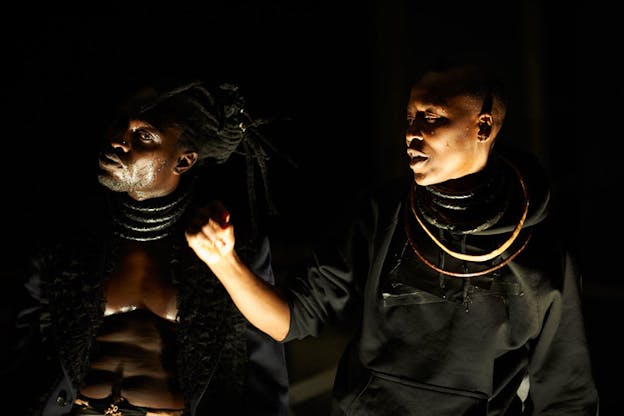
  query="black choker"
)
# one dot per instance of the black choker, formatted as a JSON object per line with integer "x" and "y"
{"x": 470, "y": 257}
{"x": 475, "y": 206}
{"x": 152, "y": 219}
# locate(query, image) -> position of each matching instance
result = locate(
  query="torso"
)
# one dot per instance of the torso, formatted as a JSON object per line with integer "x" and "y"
{"x": 135, "y": 349}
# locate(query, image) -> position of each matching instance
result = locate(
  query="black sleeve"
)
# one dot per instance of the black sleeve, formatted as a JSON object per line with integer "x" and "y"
{"x": 330, "y": 289}
{"x": 28, "y": 344}
{"x": 266, "y": 383}
{"x": 560, "y": 373}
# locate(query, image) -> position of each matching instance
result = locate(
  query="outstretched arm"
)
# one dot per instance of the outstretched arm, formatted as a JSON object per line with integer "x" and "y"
{"x": 211, "y": 236}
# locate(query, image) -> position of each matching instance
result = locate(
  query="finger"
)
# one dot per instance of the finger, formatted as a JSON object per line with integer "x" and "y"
{"x": 197, "y": 220}
{"x": 195, "y": 225}
{"x": 220, "y": 213}
{"x": 191, "y": 239}
{"x": 225, "y": 218}
{"x": 212, "y": 230}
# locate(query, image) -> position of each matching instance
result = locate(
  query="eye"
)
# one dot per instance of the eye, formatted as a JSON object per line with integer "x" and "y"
{"x": 144, "y": 135}
{"x": 431, "y": 118}
{"x": 426, "y": 116}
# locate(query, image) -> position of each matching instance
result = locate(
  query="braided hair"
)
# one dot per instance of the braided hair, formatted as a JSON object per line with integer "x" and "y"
{"x": 213, "y": 122}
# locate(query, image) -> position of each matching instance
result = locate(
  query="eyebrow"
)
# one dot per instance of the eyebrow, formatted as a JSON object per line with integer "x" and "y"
{"x": 435, "y": 100}
{"x": 431, "y": 99}
{"x": 430, "y": 105}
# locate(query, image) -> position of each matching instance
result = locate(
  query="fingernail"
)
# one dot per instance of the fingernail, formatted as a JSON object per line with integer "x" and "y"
{"x": 225, "y": 218}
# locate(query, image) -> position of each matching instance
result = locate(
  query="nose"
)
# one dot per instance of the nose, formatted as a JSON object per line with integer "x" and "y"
{"x": 120, "y": 142}
{"x": 413, "y": 132}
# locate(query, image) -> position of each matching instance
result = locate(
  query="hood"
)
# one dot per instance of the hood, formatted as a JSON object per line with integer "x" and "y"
{"x": 528, "y": 171}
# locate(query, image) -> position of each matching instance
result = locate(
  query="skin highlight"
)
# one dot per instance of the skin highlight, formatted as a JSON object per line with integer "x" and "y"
{"x": 143, "y": 161}
{"x": 446, "y": 138}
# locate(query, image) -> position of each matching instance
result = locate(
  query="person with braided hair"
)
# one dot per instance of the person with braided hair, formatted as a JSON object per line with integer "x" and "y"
{"x": 122, "y": 318}
{"x": 464, "y": 299}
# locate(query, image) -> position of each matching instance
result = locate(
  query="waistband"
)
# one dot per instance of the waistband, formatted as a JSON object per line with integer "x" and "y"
{"x": 85, "y": 406}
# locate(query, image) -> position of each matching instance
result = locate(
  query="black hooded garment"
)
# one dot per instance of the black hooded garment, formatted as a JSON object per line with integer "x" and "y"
{"x": 507, "y": 342}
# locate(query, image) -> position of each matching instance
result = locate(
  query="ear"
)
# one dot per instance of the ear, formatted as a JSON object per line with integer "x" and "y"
{"x": 485, "y": 127}
{"x": 185, "y": 162}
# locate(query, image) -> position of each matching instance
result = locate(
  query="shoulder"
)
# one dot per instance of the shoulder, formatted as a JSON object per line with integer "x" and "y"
{"x": 372, "y": 209}
{"x": 73, "y": 233}
{"x": 84, "y": 215}
{"x": 385, "y": 197}
{"x": 535, "y": 179}
{"x": 530, "y": 167}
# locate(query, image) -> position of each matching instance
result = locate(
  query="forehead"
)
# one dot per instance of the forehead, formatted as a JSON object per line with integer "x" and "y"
{"x": 443, "y": 89}
{"x": 138, "y": 123}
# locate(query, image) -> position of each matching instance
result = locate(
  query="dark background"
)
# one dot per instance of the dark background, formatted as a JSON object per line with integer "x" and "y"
{"x": 335, "y": 74}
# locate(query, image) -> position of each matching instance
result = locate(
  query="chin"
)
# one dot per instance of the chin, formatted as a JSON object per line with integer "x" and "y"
{"x": 422, "y": 180}
{"x": 111, "y": 183}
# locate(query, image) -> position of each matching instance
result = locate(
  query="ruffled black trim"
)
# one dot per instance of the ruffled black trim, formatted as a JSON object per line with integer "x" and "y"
{"x": 211, "y": 338}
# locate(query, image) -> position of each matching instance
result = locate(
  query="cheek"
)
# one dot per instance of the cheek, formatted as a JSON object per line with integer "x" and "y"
{"x": 161, "y": 165}
{"x": 149, "y": 168}
{"x": 445, "y": 139}
{"x": 460, "y": 138}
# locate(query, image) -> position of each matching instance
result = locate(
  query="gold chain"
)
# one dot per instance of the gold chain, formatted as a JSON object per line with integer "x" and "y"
{"x": 113, "y": 410}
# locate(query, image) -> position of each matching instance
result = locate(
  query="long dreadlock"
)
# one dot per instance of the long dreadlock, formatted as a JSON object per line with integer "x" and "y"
{"x": 214, "y": 123}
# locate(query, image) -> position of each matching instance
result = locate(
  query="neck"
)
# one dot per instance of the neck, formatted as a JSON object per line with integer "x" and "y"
{"x": 151, "y": 218}
{"x": 468, "y": 204}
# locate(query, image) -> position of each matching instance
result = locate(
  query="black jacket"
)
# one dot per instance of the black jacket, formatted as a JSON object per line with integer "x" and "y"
{"x": 224, "y": 363}
{"x": 506, "y": 342}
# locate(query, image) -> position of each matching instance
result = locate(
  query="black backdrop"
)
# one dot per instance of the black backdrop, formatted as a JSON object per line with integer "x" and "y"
{"x": 336, "y": 71}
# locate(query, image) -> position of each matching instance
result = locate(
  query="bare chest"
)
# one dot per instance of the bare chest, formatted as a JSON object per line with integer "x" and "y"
{"x": 141, "y": 280}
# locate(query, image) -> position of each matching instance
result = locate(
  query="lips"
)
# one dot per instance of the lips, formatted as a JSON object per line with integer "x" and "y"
{"x": 417, "y": 160}
{"x": 109, "y": 160}
{"x": 416, "y": 157}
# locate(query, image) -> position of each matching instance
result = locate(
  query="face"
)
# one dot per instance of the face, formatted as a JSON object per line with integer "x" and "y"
{"x": 141, "y": 160}
{"x": 443, "y": 127}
